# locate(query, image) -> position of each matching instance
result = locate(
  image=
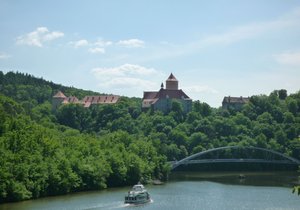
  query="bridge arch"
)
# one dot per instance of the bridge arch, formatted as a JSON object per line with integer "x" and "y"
{"x": 197, "y": 155}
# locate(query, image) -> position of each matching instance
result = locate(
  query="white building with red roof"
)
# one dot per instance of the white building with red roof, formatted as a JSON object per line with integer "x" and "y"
{"x": 59, "y": 98}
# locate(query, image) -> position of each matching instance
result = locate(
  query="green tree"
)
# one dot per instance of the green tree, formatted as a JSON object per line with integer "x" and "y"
{"x": 282, "y": 94}
{"x": 261, "y": 141}
{"x": 281, "y": 137}
{"x": 177, "y": 111}
{"x": 178, "y": 137}
{"x": 292, "y": 106}
{"x": 74, "y": 116}
{"x": 197, "y": 139}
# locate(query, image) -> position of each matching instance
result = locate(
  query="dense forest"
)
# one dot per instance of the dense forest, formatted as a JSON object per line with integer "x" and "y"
{"x": 45, "y": 152}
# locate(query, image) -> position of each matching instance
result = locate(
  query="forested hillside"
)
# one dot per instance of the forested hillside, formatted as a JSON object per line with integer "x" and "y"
{"x": 40, "y": 156}
{"x": 76, "y": 148}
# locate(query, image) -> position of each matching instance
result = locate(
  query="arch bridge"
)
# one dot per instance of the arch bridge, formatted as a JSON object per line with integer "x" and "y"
{"x": 237, "y": 154}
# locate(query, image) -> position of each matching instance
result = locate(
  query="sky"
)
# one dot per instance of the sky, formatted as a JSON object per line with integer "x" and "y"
{"x": 214, "y": 48}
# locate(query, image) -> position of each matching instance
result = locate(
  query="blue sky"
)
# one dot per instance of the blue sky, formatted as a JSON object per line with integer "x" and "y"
{"x": 125, "y": 47}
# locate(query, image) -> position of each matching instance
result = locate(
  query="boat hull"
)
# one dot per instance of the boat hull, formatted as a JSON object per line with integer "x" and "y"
{"x": 137, "y": 199}
{"x": 137, "y": 202}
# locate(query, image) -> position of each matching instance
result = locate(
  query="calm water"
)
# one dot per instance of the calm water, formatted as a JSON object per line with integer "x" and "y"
{"x": 187, "y": 191}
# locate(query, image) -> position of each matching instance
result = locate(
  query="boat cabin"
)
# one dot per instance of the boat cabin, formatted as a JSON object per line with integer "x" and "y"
{"x": 138, "y": 187}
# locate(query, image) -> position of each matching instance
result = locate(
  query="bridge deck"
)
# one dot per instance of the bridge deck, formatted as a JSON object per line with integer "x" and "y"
{"x": 203, "y": 161}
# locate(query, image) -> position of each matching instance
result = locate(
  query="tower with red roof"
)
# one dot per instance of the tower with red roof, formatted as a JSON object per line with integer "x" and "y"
{"x": 162, "y": 99}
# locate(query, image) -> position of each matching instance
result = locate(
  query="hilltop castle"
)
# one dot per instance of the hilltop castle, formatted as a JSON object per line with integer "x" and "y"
{"x": 59, "y": 99}
{"x": 162, "y": 99}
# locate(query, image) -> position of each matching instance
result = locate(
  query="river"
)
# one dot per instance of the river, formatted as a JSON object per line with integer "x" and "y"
{"x": 208, "y": 191}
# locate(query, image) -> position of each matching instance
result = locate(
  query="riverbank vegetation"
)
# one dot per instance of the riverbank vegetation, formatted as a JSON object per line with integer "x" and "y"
{"x": 74, "y": 148}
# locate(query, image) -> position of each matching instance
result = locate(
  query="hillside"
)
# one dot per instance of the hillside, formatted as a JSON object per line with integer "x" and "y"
{"x": 41, "y": 157}
{"x": 75, "y": 148}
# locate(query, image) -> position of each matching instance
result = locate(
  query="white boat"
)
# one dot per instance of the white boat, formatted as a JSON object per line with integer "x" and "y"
{"x": 137, "y": 195}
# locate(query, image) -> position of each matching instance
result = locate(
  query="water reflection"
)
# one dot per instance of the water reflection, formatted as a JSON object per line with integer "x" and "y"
{"x": 267, "y": 190}
{"x": 282, "y": 179}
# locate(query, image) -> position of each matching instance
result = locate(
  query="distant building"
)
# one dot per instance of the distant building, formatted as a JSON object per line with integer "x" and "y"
{"x": 59, "y": 98}
{"x": 162, "y": 99}
{"x": 234, "y": 102}
{"x": 107, "y": 99}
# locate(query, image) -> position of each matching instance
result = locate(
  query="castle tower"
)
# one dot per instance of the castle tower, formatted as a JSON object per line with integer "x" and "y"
{"x": 172, "y": 83}
{"x": 57, "y": 100}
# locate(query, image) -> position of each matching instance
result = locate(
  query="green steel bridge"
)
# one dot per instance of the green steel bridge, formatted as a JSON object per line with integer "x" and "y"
{"x": 236, "y": 154}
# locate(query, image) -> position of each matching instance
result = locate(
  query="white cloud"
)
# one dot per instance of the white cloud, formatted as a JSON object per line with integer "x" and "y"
{"x": 4, "y": 55}
{"x": 124, "y": 70}
{"x": 80, "y": 43}
{"x": 97, "y": 50}
{"x": 38, "y": 37}
{"x": 94, "y": 47}
{"x": 102, "y": 43}
{"x": 245, "y": 32}
{"x": 253, "y": 30}
{"x": 200, "y": 89}
{"x": 288, "y": 58}
{"x": 131, "y": 43}
{"x": 127, "y": 76}
{"x": 229, "y": 36}
{"x": 128, "y": 82}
